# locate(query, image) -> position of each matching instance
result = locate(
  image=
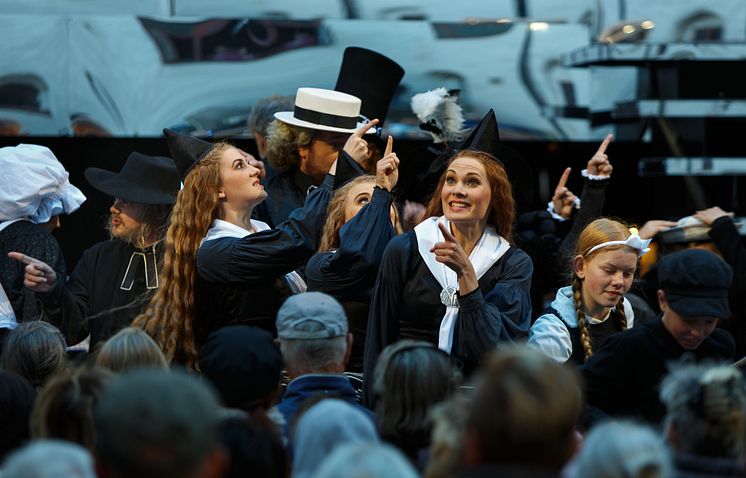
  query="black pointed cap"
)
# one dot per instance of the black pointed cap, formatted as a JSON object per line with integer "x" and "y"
{"x": 185, "y": 150}
{"x": 347, "y": 170}
{"x": 485, "y": 137}
{"x": 372, "y": 77}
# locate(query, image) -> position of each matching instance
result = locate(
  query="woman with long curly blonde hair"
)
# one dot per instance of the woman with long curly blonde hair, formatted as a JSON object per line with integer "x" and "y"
{"x": 221, "y": 267}
{"x": 360, "y": 222}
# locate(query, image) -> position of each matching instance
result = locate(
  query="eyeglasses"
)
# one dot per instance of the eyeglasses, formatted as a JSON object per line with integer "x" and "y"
{"x": 119, "y": 202}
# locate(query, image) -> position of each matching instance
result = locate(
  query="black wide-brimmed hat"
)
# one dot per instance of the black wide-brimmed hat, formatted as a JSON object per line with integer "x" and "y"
{"x": 370, "y": 76}
{"x": 186, "y": 150}
{"x": 144, "y": 179}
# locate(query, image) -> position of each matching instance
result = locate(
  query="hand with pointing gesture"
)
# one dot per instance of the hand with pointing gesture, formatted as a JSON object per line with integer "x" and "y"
{"x": 38, "y": 276}
{"x": 563, "y": 201}
{"x": 356, "y": 145}
{"x": 450, "y": 253}
{"x": 599, "y": 164}
{"x": 387, "y": 168}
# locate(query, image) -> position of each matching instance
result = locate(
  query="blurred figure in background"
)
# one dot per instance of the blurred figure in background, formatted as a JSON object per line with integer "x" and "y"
{"x": 34, "y": 192}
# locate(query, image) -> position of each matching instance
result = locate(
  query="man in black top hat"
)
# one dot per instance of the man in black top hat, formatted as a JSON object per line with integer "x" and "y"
{"x": 114, "y": 279}
{"x": 623, "y": 376}
{"x": 303, "y": 143}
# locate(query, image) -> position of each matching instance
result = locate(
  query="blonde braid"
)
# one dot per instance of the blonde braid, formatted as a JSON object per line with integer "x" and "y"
{"x": 620, "y": 318}
{"x": 585, "y": 333}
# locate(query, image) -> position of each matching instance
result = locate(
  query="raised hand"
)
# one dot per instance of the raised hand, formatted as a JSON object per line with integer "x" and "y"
{"x": 356, "y": 145}
{"x": 651, "y": 228}
{"x": 255, "y": 162}
{"x": 599, "y": 164}
{"x": 38, "y": 276}
{"x": 710, "y": 215}
{"x": 387, "y": 168}
{"x": 563, "y": 201}
{"x": 450, "y": 253}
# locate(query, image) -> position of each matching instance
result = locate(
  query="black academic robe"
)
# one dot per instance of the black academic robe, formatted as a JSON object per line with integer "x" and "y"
{"x": 286, "y": 192}
{"x": 34, "y": 241}
{"x": 406, "y": 304}
{"x": 241, "y": 280}
{"x": 623, "y": 376}
{"x": 106, "y": 291}
{"x": 349, "y": 273}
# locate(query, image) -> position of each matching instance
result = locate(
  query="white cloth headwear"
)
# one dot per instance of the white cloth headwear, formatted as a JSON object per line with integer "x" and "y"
{"x": 34, "y": 185}
{"x": 489, "y": 249}
{"x": 634, "y": 241}
{"x": 221, "y": 228}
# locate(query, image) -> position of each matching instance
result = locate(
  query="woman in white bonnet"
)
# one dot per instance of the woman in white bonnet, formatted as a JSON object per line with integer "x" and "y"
{"x": 34, "y": 191}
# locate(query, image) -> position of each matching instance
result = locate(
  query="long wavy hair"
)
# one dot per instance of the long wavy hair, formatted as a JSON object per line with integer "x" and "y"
{"x": 597, "y": 232}
{"x": 501, "y": 214}
{"x": 169, "y": 318}
{"x": 335, "y": 215}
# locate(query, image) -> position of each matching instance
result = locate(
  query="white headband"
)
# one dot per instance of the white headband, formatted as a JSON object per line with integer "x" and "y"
{"x": 632, "y": 241}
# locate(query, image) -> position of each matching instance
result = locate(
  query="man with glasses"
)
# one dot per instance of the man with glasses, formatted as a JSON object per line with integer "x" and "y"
{"x": 114, "y": 279}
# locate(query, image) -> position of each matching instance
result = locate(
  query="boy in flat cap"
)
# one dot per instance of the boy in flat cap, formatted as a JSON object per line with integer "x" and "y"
{"x": 623, "y": 377}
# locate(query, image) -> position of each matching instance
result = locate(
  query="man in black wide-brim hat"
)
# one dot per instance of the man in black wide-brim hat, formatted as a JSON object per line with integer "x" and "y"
{"x": 114, "y": 279}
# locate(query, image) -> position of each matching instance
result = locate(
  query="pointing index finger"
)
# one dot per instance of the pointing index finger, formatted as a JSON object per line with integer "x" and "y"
{"x": 389, "y": 146}
{"x": 605, "y": 144}
{"x": 446, "y": 233}
{"x": 364, "y": 128}
{"x": 23, "y": 258}
{"x": 563, "y": 179}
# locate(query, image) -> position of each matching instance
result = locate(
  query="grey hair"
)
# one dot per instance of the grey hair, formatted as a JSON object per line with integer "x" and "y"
{"x": 263, "y": 112}
{"x": 707, "y": 406}
{"x": 619, "y": 449}
{"x": 128, "y": 349}
{"x": 50, "y": 459}
{"x": 283, "y": 141}
{"x": 34, "y": 350}
{"x": 357, "y": 460}
{"x": 410, "y": 377}
{"x": 446, "y": 443}
{"x": 314, "y": 356}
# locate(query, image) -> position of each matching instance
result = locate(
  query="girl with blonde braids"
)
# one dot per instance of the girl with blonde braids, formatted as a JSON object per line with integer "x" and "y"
{"x": 584, "y": 314}
{"x": 220, "y": 266}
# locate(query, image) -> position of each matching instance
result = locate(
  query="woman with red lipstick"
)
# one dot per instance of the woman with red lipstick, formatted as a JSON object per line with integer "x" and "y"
{"x": 455, "y": 281}
{"x": 585, "y": 314}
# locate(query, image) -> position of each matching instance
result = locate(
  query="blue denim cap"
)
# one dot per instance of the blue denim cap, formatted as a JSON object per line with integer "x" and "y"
{"x": 696, "y": 283}
{"x": 310, "y": 316}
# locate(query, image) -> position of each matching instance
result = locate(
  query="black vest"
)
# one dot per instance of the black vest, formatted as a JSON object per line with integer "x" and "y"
{"x": 598, "y": 332}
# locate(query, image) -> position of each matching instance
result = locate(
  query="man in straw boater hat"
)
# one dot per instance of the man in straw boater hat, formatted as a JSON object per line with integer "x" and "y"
{"x": 114, "y": 279}
{"x": 302, "y": 144}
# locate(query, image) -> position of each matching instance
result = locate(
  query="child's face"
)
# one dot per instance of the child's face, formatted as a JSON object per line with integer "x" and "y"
{"x": 606, "y": 277}
{"x": 689, "y": 331}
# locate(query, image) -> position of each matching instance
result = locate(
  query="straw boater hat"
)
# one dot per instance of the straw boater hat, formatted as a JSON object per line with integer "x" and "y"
{"x": 325, "y": 110}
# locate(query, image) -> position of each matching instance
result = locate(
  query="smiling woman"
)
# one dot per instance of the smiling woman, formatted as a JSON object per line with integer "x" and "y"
{"x": 455, "y": 281}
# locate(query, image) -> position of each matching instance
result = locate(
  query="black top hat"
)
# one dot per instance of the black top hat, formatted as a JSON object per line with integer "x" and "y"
{"x": 144, "y": 179}
{"x": 485, "y": 137}
{"x": 186, "y": 150}
{"x": 371, "y": 77}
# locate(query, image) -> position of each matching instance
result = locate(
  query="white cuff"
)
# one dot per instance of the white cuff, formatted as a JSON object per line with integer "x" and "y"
{"x": 553, "y": 213}
{"x": 594, "y": 177}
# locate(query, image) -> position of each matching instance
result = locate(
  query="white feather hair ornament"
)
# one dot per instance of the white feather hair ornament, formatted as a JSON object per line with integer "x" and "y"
{"x": 440, "y": 114}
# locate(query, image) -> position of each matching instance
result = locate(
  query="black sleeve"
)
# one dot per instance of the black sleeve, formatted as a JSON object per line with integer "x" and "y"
{"x": 728, "y": 241}
{"x": 353, "y": 267}
{"x": 502, "y": 314}
{"x": 268, "y": 254}
{"x": 33, "y": 306}
{"x": 591, "y": 207}
{"x": 73, "y": 296}
{"x": 383, "y": 321}
{"x": 605, "y": 375}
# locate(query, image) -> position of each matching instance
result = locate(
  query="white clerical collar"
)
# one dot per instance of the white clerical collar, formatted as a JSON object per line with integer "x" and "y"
{"x": 221, "y": 228}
